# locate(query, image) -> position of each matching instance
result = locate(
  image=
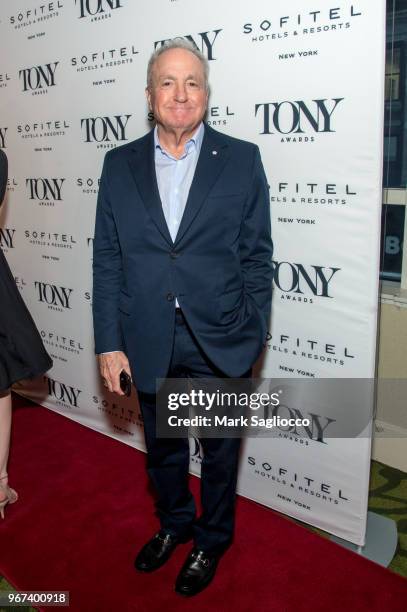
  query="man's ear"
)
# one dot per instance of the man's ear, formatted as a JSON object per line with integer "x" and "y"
{"x": 148, "y": 96}
{"x": 207, "y": 98}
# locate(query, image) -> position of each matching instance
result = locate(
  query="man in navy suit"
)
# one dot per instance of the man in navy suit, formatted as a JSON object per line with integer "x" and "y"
{"x": 182, "y": 288}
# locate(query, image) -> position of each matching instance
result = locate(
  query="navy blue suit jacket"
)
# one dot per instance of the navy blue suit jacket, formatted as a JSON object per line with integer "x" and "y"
{"x": 219, "y": 266}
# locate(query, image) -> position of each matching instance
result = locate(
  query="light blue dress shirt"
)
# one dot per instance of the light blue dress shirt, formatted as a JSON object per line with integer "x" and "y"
{"x": 174, "y": 178}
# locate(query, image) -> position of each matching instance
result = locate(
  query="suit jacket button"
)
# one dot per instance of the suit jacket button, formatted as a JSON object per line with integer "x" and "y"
{"x": 174, "y": 254}
{"x": 170, "y": 297}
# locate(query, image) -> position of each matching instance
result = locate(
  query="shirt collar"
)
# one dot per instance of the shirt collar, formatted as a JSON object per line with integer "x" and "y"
{"x": 195, "y": 141}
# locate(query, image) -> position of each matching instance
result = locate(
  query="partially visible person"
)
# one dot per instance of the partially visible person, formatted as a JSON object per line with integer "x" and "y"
{"x": 22, "y": 353}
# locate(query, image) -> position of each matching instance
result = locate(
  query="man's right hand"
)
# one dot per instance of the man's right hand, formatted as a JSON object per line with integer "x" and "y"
{"x": 111, "y": 364}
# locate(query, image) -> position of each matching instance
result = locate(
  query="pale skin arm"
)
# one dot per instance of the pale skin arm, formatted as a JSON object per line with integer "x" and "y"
{"x": 110, "y": 365}
{"x": 5, "y": 429}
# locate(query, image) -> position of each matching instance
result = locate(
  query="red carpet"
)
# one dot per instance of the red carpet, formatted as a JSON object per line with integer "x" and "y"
{"x": 85, "y": 509}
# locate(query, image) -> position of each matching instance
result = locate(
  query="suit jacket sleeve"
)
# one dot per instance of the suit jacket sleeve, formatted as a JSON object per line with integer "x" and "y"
{"x": 107, "y": 273}
{"x": 256, "y": 247}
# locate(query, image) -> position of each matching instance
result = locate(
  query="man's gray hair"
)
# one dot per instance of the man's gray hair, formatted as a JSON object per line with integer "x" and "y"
{"x": 177, "y": 43}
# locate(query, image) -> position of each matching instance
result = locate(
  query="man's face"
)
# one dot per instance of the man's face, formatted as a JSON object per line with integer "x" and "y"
{"x": 178, "y": 97}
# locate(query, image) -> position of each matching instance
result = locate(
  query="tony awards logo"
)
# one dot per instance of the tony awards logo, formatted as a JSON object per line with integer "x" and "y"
{"x": 38, "y": 79}
{"x": 297, "y": 117}
{"x": 46, "y": 191}
{"x": 3, "y": 131}
{"x": 97, "y": 9}
{"x": 106, "y": 131}
{"x": 294, "y": 280}
{"x": 203, "y": 41}
{"x": 64, "y": 394}
{"x": 56, "y": 297}
{"x": 7, "y": 238}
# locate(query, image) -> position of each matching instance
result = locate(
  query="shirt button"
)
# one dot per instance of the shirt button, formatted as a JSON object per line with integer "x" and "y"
{"x": 170, "y": 297}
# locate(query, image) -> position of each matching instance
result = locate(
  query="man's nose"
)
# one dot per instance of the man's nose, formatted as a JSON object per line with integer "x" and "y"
{"x": 181, "y": 92}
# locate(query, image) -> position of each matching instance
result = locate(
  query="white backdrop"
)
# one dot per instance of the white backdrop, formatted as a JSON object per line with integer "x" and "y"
{"x": 305, "y": 82}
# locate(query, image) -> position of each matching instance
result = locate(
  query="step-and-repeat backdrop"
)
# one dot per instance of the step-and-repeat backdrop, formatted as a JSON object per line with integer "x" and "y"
{"x": 303, "y": 80}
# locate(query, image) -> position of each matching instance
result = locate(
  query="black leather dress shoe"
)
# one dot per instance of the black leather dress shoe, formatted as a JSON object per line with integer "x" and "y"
{"x": 196, "y": 573}
{"x": 156, "y": 552}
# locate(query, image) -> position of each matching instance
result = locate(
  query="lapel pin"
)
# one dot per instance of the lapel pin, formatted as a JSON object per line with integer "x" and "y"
{"x": 214, "y": 152}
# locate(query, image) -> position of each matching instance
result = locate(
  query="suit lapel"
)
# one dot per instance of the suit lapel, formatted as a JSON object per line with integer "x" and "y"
{"x": 142, "y": 166}
{"x": 212, "y": 159}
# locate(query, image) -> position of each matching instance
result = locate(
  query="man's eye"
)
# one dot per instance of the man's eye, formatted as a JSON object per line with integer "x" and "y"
{"x": 166, "y": 83}
{"x": 192, "y": 84}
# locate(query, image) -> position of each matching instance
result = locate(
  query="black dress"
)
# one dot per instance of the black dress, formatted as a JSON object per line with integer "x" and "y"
{"x": 22, "y": 353}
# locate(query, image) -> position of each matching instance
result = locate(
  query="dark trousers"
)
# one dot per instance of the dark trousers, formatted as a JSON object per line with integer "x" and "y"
{"x": 168, "y": 460}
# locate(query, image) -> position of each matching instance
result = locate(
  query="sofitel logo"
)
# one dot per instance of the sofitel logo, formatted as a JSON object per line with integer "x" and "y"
{"x": 38, "y": 78}
{"x": 283, "y": 475}
{"x": 218, "y": 115}
{"x": 3, "y": 137}
{"x": 204, "y": 43}
{"x": 105, "y": 129}
{"x": 89, "y": 185}
{"x": 312, "y": 22}
{"x": 30, "y": 16}
{"x": 11, "y": 184}
{"x": 53, "y": 240}
{"x": 122, "y": 413}
{"x": 7, "y": 237}
{"x": 62, "y": 392}
{"x": 321, "y": 193}
{"x": 53, "y": 295}
{"x": 104, "y": 59}
{"x": 295, "y": 278}
{"x": 63, "y": 344}
{"x": 92, "y": 8}
{"x": 4, "y": 79}
{"x": 309, "y": 348}
{"x": 290, "y": 117}
{"x": 45, "y": 189}
{"x": 43, "y": 129}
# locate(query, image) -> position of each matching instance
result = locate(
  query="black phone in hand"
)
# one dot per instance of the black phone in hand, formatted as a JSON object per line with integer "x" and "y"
{"x": 125, "y": 383}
